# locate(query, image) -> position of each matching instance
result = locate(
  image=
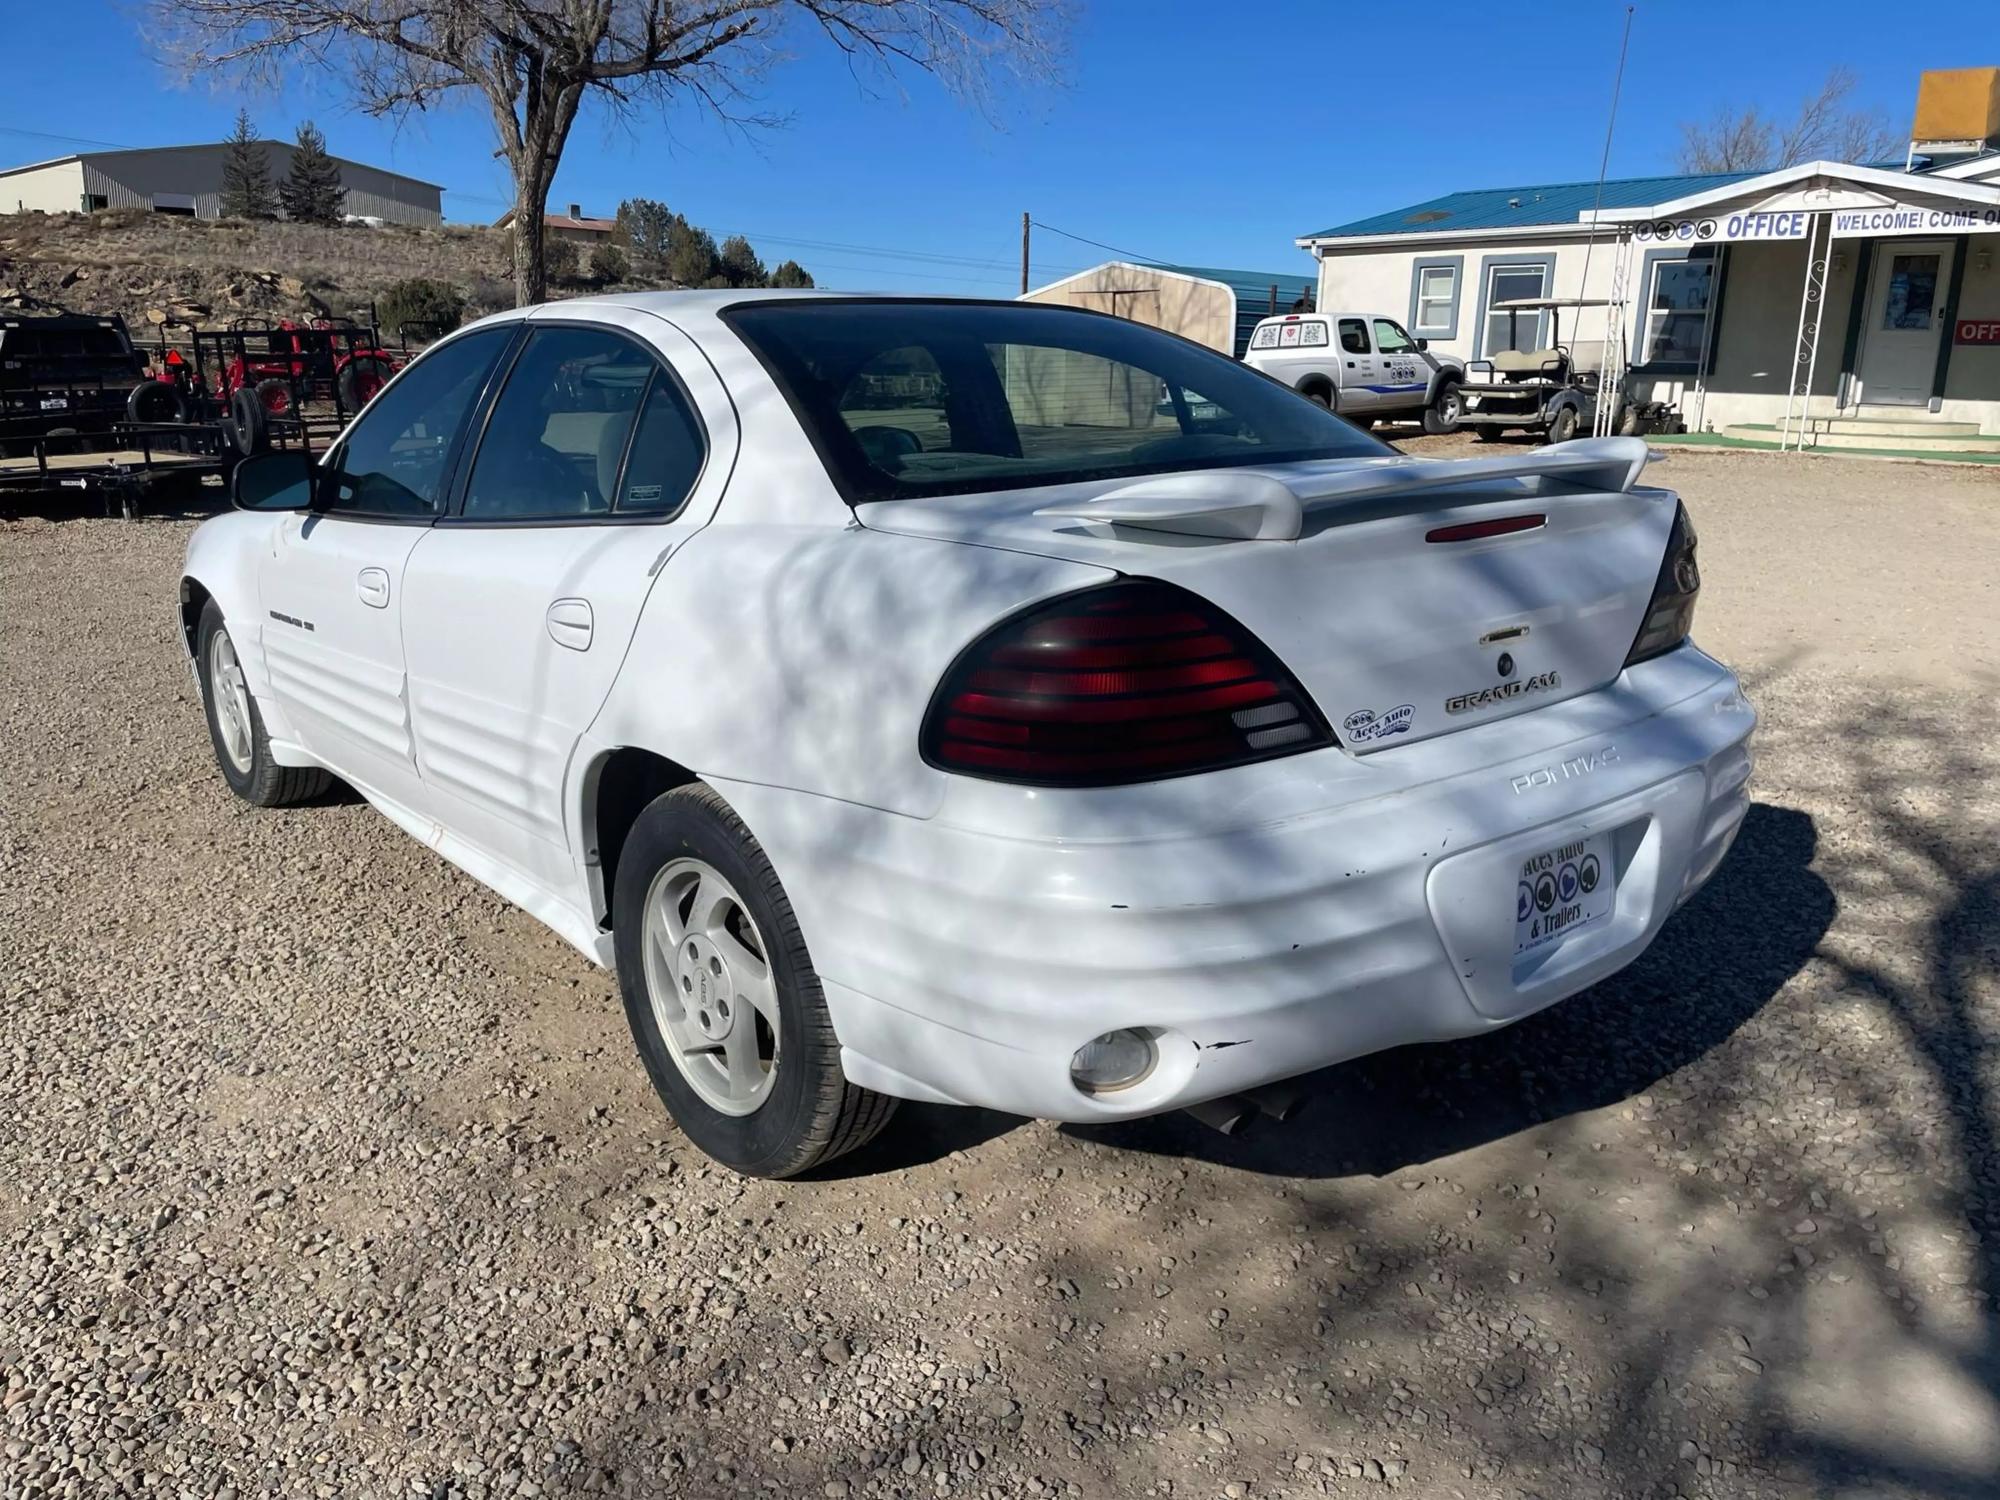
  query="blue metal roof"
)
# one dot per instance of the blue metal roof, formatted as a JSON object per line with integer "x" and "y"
{"x": 1528, "y": 207}
{"x": 1253, "y": 292}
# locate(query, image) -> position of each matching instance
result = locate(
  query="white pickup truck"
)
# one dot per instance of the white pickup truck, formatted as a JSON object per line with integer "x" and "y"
{"x": 1362, "y": 365}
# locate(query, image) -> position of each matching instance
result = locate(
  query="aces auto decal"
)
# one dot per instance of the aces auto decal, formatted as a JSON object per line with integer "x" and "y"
{"x": 1364, "y": 724}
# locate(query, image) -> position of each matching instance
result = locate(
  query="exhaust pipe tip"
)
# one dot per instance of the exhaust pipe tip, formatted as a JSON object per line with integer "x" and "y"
{"x": 1228, "y": 1114}
{"x": 1278, "y": 1100}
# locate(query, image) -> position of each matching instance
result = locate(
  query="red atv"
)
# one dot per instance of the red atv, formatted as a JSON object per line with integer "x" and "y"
{"x": 295, "y": 363}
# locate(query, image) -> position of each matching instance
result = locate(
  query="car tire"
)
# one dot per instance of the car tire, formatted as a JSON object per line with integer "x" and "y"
{"x": 1563, "y": 427}
{"x": 1441, "y": 416}
{"x": 155, "y": 402}
{"x": 695, "y": 899}
{"x": 1320, "y": 397}
{"x": 247, "y": 424}
{"x": 236, "y": 727}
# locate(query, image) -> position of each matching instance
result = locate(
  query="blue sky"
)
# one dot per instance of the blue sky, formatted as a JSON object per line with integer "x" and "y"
{"x": 1208, "y": 134}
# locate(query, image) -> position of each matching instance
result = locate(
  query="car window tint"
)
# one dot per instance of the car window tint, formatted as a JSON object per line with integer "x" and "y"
{"x": 393, "y": 459}
{"x": 557, "y": 435}
{"x": 905, "y": 399}
{"x": 667, "y": 452}
{"x": 1353, "y": 336}
{"x": 895, "y": 405}
{"x": 1392, "y": 340}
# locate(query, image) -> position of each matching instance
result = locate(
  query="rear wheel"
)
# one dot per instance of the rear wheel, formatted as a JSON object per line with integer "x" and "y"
{"x": 236, "y": 728}
{"x": 276, "y": 397}
{"x": 722, "y": 999}
{"x": 1563, "y": 428}
{"x": 1319, "y": 394}
{"x": 360, "y": 378}
{"x": 155, "y": 401}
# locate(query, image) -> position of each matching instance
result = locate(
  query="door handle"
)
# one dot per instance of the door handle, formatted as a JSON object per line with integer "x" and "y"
{"x": 372, "y": 585}
{"x": 570, "y": 623}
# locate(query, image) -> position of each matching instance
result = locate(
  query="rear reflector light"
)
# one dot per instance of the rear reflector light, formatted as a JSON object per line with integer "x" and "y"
{"x": 1670, "y": 612}
{"x": 1133, "y": 681}
{"x": 1471, "y": 531}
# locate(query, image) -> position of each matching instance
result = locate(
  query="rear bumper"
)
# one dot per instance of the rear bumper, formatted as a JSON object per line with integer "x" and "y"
{"x": 1266, "y": 921}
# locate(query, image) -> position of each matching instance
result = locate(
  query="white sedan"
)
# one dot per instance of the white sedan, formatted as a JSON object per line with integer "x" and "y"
{"x": 983, "y": 703}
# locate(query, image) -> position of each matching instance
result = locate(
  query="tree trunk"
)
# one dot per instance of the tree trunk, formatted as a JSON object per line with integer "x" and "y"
{"x": 531, "y": 201}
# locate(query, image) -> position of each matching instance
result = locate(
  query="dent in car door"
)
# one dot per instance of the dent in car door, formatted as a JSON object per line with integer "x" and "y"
{"x": 332, "y": 588}
{"x": 519, "y": 607}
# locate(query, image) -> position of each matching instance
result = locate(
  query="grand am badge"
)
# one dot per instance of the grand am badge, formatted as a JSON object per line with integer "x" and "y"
{"x": 1364, "y": 724}
{"x": 1465, "y": 703}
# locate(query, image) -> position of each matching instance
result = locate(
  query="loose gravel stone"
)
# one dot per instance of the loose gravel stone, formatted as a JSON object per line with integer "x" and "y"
{"x": 326, "y": 1173}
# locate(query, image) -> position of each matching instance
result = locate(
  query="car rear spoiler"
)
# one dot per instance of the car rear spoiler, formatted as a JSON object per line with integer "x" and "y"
{"x": 1266, "y": 506}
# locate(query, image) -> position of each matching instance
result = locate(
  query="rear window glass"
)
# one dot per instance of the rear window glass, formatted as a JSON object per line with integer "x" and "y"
{"x": 1302, "y": 333}
{"x": 62, "y": 343}
{"x": 908, "y": 399}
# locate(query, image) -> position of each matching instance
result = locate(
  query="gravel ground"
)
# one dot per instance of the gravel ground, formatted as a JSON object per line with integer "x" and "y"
{"x": 323, "y": 1172}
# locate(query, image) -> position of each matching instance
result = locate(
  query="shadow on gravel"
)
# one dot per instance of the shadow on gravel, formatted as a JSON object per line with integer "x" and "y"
{"x": 167, "y": 501}
{"x": 1717, "y": 962}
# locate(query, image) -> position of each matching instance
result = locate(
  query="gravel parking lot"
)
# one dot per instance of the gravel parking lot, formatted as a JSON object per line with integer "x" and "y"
{"x": 324, "y": 1172}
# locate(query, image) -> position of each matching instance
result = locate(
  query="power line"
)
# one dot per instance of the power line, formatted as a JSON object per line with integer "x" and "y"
{"x": 1081, "y": 239}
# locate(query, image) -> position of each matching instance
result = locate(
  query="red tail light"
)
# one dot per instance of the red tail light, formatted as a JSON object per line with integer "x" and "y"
{"x": 1670, "y": 612}
{"x": 1133, "y": 681}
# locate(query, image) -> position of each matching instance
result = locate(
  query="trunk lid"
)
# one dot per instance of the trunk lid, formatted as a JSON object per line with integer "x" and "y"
{"x": 1397, "y": 637}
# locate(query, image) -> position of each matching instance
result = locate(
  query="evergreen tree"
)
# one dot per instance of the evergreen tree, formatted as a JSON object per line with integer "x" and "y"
{"x": 791, "y": 273}
{"x": 740, "y": 266}
{"x": 691, "y": 254}
{"x": 246, "y": 174}
{"x": 311, "y": 191}
{"x": 644, "y": 227}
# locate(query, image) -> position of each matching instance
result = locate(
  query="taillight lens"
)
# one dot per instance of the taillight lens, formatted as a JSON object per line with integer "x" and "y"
{"x": 1670, "y": 612}
{"x": 1131, "y": 681}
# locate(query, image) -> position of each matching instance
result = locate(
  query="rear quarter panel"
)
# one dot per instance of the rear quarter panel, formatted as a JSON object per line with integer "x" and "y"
{"x": 805, "y": 656}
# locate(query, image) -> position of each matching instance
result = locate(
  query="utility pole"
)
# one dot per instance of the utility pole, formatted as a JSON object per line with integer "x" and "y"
{"x": 1024, "y": 255}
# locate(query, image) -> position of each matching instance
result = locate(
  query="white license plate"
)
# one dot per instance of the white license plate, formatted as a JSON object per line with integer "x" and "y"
{"x": 1561, "y": 890}
{"x": 55, "y": 403}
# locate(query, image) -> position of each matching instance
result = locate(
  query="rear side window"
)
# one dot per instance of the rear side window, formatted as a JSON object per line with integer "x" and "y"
{"x": 908, "y": 399}
{"x": 668, "y": 451}
{"x": 557, "y": 436}
{"x": 1353, "y": 336}
{"x": 393, "y": 461}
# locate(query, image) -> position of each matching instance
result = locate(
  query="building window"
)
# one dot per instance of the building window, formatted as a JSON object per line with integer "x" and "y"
{"x": 1436, "y": 314}
{"x": 1507, "y": 282}
{"x": 1679, "y": 293}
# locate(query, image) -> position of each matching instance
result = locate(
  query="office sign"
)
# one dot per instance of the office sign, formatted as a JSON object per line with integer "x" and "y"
{"x": 1731, "y": 228}
{"x": 1796, "y": 224}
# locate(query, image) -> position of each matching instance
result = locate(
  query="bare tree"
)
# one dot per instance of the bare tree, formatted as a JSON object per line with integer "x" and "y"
{"x": 534, "y": 62}
{"x": 1824, "y": 128}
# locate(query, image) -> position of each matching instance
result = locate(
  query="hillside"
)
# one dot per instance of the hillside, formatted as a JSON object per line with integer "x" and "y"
{"x": 214, "y": 272}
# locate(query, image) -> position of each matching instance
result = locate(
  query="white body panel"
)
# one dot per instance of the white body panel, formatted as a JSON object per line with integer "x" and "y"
{"x": 1364, "y": 379}
{"x": 971, "y": 934}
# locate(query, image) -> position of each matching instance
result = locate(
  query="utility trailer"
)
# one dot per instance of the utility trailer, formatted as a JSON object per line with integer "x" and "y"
{"x": 129, "y": 464}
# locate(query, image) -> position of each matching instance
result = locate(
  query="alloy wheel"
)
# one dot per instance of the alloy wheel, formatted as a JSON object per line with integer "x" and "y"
{"x": 231, "y": 693}
{"x": 708, "y": 977}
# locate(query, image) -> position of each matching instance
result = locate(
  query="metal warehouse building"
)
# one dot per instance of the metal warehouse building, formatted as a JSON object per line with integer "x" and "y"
{"x": 1213, "y": 307}
{"x": 188, "y": 180}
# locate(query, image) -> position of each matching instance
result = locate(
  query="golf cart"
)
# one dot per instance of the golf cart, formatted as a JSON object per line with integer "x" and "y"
{"x": 1533, "y": 390}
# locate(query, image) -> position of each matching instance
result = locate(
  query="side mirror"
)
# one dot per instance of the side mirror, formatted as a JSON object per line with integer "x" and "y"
{"x": 274, "y": 481}
{"x": 1423, "y": 343}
